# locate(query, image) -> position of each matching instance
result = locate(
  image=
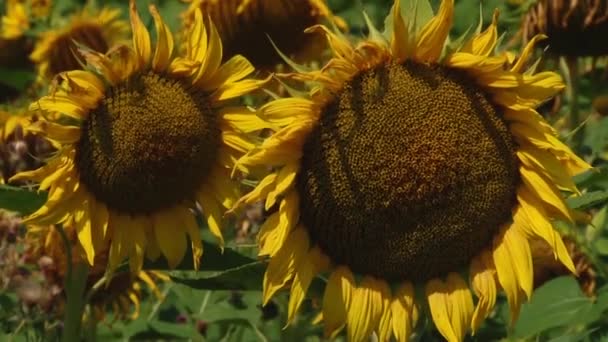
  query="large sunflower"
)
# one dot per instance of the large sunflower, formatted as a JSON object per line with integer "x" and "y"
{"x": 247, "y": 27}
{"x": 56, "y": 49}
{"x": 144, "y": 135}
{"x": 403, "y": 168}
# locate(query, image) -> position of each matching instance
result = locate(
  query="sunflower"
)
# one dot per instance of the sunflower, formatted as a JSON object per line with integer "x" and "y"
{"x": 56, "y": 49}
{"x": 121, "y": 294}
{"x": 143, "y": 137}
{"x": 245, "y": 27}
{"x": 574, "y": 28}
{"x": 15, "y": 20}
{"x": 406, "y": 166}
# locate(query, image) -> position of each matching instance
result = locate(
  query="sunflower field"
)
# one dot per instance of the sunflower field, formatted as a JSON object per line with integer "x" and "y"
{"x": 304, "y": 170}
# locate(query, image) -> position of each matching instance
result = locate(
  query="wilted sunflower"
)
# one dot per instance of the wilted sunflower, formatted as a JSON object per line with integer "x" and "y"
{"x": 144, "y": 135}
{"x": 56, "y": 50}
{"x": 123, "y": 292}
{"x": 574, "y": 28}
{"x": 405, "y": 168}
{"x": 245, "y": 26}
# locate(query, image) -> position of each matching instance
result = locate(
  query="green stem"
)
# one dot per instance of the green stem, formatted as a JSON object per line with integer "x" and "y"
{"x": 74, "y": 286}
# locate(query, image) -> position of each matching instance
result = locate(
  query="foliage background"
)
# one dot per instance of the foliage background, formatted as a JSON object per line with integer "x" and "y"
{"x": 223, "y": 301}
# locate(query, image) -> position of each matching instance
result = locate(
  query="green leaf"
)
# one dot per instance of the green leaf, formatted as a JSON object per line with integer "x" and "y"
{"x": 601, "y": 246}
{"x": 18, "y": 79}
{"x": 587, "y": 200}
{"x": 557, "y": 303}
{"x": 595, "y": 179}
{"x": 168, "y": 330}
{"x": 246, "y": 277}
{"x": 20, "y": 200}
{"x": 213, "y": 260}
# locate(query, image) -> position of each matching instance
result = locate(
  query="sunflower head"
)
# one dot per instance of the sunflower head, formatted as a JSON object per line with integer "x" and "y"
{"x": 56, "y": 50}
{"x": 147, "y": 138}
{"x": 574, "y": 28}
{"x": 251, "y": 27}
{"x": 407, "y": 165}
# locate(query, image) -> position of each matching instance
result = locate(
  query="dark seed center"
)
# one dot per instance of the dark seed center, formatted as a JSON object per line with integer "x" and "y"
{"x": 409, "y": 173}
{"x": 148, "y": 145}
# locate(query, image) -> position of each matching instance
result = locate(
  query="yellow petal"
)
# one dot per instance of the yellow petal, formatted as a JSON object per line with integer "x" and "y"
{"x": 530, "y": 214}
{"x": 365, "y": 310}
{"x": 483, "y": 44}
{"x": 282, "y": 266}
{"x": 60, "y": 133}
{"x": 399, "y": 34}
{"x": 402, "y": 312}
{"x": 235, "y": 69}
{"x": 243, "y": 119}
{"x": 285, "y": 178}
{"x": 385, "y": 325}
{"x": 484, "y": 284}
{"x": 170, "y": 236}
{"x": 507, "y": 276}
{"x": 164, "y": 42}
{"x": 83, "y": 227}
{"x": 546, "y": 191}
{"x": 141, "y": 36}
{"x": 213, "y": 58}
{"x": 306, "y": 270}
{"x": 213, "y": 215}
{"x": 434, "y": 34}
{"x": 461, "y": 305}
{"x": 438, "y": 297}
{"x": 336, "y": 300}
{"x": 135, "y": 242}
{"x": 188, "y": 220}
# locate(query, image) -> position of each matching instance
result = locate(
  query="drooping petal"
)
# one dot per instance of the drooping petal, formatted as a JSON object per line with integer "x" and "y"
{"x": 281, "y": 268}
{"x": 365, "y": 310}
{"x": 306, "y": 270}
{"x": 170, "y": 236}
{"x": 402, "y": 308}
{"x": 337, "y": 300}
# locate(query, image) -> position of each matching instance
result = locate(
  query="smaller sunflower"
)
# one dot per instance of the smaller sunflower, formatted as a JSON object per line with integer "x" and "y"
{"x": 413, "y": 176}
{"x": 56, "y": 50}
{"x": 147, "y": 139}
{"x": 121, "y": 294}
{"x": 248, "y": 26}
{"x": 573, "y": 28}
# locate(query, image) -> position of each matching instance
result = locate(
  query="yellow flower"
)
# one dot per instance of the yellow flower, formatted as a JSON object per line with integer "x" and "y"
{"x": 15, "y": 21}
{"x": 121, "y": 293}
{"x": 144, "y": 136}
{"x": 56, "y": 50}
{"x": 246, "y": 25}
{"x": 404, "y": 167}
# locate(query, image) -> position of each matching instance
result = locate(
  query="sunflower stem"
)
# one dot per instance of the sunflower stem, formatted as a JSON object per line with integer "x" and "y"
{"x": 75, "y": 284}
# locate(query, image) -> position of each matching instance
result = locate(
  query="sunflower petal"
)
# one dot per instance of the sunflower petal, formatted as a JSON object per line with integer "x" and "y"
{"x": 337, "y": 300}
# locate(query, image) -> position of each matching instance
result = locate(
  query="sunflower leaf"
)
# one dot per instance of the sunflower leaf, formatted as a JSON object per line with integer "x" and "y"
{"x": 558, "y": 303}
{"x": 213, "y": 260}
{"x": 247, "y": 277}
{"x": 21, "y": 200}
{"x": 587, "y": 200}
